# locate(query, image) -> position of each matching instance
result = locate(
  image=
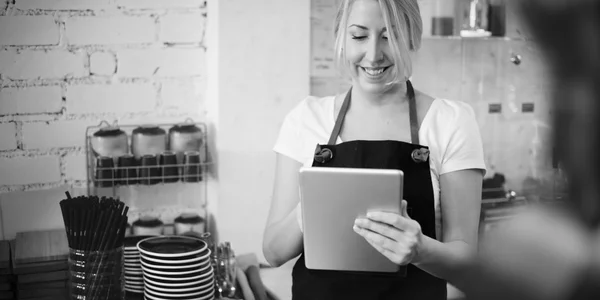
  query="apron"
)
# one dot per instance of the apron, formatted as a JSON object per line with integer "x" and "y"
{"x": 413, "y": 159}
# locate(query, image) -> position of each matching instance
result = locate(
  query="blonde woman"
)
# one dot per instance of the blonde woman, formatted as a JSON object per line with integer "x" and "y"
{"x": 382, "y": 122}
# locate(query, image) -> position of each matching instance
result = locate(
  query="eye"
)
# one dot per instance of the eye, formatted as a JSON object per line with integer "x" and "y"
{"x": 359, "y": 37}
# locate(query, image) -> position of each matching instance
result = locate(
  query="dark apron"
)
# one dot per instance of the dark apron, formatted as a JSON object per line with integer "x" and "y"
{"x": 413, "y": 160}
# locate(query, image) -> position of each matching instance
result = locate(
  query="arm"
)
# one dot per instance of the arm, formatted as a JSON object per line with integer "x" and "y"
{"x": 400, "y": 239}
{"x": 461, "y": 206}
{"x": 282, "y": 239}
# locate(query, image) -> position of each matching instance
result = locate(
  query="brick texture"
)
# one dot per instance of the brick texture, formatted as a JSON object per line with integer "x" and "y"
{"x": 28, "y": 30}
{"x": 32, "y": 64}
{"x": 8, "y": 136}
{"x": 161, "y": 62}
{"x": 182, "y": 28}
{"x": 60, "y": 134}
{"x": 63, "y": 4}
{"x": 149, "y": 4}
{"x": 183, "y": 96}
{"x": 30, "y": 100}
{"x": 115, "y": 98}
{"x": 110, "y": 30}
{"x": 75, "y": 166}
{"x": 29, "y": 170}
{"x": 103, "y": 63}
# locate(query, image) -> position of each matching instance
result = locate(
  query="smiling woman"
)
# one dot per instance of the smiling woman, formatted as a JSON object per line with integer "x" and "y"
{"x": 382, "y": 122}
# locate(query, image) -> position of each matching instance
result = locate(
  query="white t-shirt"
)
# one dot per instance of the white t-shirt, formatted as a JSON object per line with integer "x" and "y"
{"x": 449, "y": 129}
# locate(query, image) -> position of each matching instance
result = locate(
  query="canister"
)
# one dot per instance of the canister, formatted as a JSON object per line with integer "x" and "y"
{"x": 110, "y": 141}
{"x": 148, "y": 140}
{"x": 185, "y": 137}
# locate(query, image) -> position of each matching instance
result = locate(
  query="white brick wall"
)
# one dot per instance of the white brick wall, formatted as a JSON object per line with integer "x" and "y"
{"x": 59, "y": 134}
{"x": 29, "y": 170}
{"x": 31, "y": 100}
{"x": 34, "y": 64}
{"x": 110, "y": 30}
{"x": 175, "y": 95}
{"x": 64, "y": 4}
{"x": 103, "y": 63}
{"x": 28, "y": 30}
{"x": 8, "y": 136}
{"x": 161, "y": 62}
{"x": 182, "y": 28}
{"x": 75, "y": 166}
{"x": 152, "y": 4}
{"x": 115, "y": 98}
{"x": 69, "y": 64}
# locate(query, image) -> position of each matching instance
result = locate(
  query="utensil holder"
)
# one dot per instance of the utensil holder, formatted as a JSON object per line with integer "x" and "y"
{"x": 96, "y": 275}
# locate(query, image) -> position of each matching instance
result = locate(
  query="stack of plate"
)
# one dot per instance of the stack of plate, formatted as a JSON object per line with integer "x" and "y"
{"x": 134, "y": 280}
{"x": 176, "y": 267}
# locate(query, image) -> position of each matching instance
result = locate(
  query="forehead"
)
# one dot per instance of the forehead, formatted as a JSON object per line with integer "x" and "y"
{"x": 366, "y": 13}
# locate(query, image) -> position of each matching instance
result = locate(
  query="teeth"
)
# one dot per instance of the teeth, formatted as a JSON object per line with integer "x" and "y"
{"x": 373, "y": 72}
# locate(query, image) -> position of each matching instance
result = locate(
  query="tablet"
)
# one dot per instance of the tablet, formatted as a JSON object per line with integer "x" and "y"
{"x": 331, "y": 200}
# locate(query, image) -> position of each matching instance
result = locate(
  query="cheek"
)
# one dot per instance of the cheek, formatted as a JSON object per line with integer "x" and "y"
{"x": 353, "y": 54}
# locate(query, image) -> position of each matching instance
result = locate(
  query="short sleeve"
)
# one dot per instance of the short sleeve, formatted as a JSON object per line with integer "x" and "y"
{"x": 289, "y": 141}
{"x": 464, "y": 149}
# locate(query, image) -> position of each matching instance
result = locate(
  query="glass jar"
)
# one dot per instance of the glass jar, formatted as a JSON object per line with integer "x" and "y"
{"x": 96, "y": 275}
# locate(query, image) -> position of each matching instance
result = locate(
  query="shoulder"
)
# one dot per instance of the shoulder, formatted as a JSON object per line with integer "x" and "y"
{"x": 311, "y": 109}
{"x": 452, "y": 109}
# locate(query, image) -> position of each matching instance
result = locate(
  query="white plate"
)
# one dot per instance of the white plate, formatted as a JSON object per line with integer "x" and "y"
{"x": 139, "y": 291}
{"x": 207, "y": 297}
{"x": 175, "y": 242}
{"x": 159, "y": 294}
{"x": 152, "y": 276}
{"x": 149, "y": 281}
{"x": 177, "y": 262}
{"x": 173, "y": 267}
{"x": 197, "y": 289}
{"x": 174, "y": 273}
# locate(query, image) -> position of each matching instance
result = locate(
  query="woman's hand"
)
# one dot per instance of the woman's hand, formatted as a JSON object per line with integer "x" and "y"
{"x": 398, "y": 237}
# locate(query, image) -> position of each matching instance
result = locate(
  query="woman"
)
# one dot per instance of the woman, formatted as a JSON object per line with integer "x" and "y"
{"x": 379, "y": 123}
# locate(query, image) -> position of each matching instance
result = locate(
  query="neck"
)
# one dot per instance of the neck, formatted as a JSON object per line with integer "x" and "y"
{"x": 395, "y": 95}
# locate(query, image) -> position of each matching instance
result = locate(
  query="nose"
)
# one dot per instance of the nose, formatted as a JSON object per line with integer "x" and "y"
{"x": 374, "y": 51}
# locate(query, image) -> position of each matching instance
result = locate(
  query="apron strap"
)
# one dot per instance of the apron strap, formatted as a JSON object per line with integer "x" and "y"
{"x": 412, "y": 106}
{"x": 340, "y": 119}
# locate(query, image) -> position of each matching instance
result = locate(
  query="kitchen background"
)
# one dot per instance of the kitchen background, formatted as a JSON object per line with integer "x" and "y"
{"x": 238, "y": 66}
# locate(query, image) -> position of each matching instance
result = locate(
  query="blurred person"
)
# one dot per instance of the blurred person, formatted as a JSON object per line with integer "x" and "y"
{"x": 553, "y": 253}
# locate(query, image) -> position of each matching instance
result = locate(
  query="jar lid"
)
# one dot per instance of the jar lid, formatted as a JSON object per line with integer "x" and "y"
{"x": 109, "y": 131}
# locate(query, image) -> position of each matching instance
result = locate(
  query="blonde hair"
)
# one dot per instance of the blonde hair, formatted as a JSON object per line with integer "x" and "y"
{"x": 402, "y": 19}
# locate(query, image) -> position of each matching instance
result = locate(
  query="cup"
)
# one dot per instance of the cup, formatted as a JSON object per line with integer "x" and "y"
{"x": 189, "y": 222}
{"x": 192, "y": 171}
{"x": 127, "y": 170}
{"x": 148, "y": 225}
{"x": 96, "y": 275}
{"x": 149, "y": 170}
{"x": 169, "y": 167}
{"x": 105, "y": 176}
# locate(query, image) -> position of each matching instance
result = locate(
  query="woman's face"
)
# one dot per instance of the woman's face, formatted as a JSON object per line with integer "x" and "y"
{"x": 367, "y": 49}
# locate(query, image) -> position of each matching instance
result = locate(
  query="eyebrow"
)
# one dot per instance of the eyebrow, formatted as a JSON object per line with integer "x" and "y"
{"x": 365, "y": 28}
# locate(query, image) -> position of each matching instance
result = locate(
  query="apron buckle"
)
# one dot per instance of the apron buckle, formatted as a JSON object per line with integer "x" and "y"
{"x": 323, "y": 155}
{"x": 420, "y": 155}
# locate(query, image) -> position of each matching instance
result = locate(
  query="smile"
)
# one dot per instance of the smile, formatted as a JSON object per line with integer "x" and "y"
{"x": 374, "y": 72}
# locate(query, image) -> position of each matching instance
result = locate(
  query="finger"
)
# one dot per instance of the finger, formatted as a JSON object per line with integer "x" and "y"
{"x": 405, "y": 210}
{"x": 376, "y": 238}
{"x": 383, "y": 229}
{"x": 392, "y": 219}
{"x": 388, "y": 253}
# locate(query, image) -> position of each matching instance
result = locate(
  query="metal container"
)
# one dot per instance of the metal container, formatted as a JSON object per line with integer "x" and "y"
{"x": 110, "y": 141}
{"x": 148, "y": 140}
{"x": 185, "y": 137}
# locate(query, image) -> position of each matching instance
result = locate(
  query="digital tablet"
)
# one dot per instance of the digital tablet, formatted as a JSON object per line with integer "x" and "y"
{"x": 331, "y": 200}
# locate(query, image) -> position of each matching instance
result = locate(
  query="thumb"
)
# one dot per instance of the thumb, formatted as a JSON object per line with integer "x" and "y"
{"x": 404, "y": 212}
